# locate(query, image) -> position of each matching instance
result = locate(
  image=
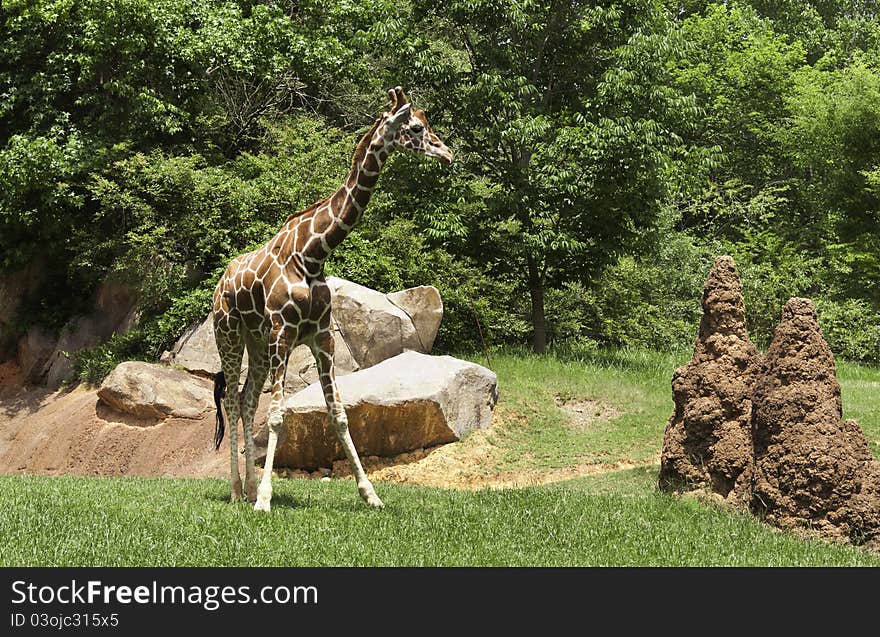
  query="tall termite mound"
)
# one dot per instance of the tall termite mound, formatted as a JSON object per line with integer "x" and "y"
{"x": 707, "y": 444}
{"x": 812, "y": 469}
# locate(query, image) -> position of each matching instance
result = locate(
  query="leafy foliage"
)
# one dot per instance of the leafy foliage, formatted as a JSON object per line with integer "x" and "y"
{"x": 605, "y": 153}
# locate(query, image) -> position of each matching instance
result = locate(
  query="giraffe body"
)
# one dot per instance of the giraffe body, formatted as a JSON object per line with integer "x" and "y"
{"x": 272, "y": 299}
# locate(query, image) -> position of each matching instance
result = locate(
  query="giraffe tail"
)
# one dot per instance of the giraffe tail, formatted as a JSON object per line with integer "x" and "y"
{"x": 219, "y": 393}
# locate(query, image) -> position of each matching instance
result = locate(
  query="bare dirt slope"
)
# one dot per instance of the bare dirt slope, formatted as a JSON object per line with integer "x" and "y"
{"x": 70, "y": 432}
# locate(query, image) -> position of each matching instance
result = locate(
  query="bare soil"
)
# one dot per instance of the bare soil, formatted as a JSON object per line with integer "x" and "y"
{"x": 582, "y": 414}
{"x": 71, "y": 432}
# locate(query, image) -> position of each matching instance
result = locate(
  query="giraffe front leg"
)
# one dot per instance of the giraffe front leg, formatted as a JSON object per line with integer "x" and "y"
{"x": 278, "y": 351}
{"x": 322, "y": 349}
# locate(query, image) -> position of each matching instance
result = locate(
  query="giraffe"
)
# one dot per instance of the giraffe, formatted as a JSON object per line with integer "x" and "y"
{"x": 272, "y": 299}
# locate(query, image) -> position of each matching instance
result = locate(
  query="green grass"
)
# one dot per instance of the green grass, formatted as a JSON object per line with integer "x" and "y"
{"x": 535, "y": 433}
{"x": 134, "y": 522}
{"x": 860, "y": 392}
{"x": 615, "y": 518}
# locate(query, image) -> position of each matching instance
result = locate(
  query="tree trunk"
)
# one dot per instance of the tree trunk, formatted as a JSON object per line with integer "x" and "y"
{"x": 536, "y": 292}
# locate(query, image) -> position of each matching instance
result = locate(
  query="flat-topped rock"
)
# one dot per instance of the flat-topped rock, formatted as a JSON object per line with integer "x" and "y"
{"x": 145, "y": 390}
{"x": 407, "y": 402}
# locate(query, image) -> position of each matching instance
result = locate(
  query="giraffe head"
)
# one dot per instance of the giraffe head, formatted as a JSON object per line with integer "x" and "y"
{"x": 409, "y": 130}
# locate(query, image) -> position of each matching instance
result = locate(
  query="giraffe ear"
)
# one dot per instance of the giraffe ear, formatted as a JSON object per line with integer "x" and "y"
{"x": 397, "y": 119}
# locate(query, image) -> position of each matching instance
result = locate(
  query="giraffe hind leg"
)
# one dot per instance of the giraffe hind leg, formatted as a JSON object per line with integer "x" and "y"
{"x": 278, "y": 352}
{"x": 231, "y": 348}
{"x": 258, "y": 368}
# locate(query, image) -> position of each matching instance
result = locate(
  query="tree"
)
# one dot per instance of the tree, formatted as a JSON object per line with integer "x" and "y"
{"x": 563, "y": 109}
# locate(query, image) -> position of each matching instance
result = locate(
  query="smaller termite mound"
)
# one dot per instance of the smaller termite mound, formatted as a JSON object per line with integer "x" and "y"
{"x": 813, "y": 469}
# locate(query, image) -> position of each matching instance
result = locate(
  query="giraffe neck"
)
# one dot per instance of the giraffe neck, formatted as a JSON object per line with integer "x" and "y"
{"x": 334, "y": 220}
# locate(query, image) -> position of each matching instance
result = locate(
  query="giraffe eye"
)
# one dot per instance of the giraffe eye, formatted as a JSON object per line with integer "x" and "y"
{"x": 417, "y": 128}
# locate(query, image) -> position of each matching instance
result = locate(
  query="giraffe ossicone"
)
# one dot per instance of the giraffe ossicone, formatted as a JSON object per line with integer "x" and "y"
{"x": 272, "y": 299}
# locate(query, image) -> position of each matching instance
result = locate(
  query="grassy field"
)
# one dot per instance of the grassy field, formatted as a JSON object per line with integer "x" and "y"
{"x": 536, "y": 433}
{"x": 615, "y": 518}
{"x": 635, "y": 382}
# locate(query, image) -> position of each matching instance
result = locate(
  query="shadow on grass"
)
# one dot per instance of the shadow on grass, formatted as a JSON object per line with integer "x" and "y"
{"x": 301, "y": 501}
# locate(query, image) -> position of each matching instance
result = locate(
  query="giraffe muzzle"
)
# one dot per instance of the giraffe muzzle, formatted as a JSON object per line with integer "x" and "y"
{"x": 444, "y": 155}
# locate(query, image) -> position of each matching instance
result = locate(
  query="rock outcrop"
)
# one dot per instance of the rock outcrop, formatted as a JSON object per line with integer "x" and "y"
{"x": 15, "y": 288}
{"x": 150, "y": 391}
{"x": 113, "y": 312}
{"x": 812, "y": 469}
{"x": 34, "y": 349}
{"x": 369, "y": 327}
{"x": 425, "y": 309}
{"x": 707, "y": 444}
{"x": 407, "y": 402}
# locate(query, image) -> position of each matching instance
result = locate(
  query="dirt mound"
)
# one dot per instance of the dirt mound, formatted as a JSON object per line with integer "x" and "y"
{"x": 812, "y": 469}
{"x": 707, "y": 444}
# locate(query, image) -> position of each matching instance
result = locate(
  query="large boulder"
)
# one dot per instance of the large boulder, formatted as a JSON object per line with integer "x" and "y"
{"x": 812, "y": 469}
{"x": 196, "y": 352}
{"x": 424, "y": 307}
{"x": 707, "y": 444}
{"x": 407, "y": 402}
{"x": 374, "y": 327}
{"x": 302, "y": 370}
{"x": 196, "y": 349}
{"x": 369, "y": 327}
{"x": 150, "y": 391}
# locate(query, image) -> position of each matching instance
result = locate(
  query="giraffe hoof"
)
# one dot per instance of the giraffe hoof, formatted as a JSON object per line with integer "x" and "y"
{"x": 374, "y": 502}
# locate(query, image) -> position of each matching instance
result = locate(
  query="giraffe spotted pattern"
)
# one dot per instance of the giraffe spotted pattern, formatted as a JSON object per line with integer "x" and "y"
{"x": 275, "y": 298}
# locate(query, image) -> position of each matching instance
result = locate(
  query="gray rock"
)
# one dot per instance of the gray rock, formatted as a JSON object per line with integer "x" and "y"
{"x": 425, "y": 308}
{"x": 368, "y": 326}
{"x": 79, "y": 333}
{"x": 113, "y": 313}
{"x": 374, "y": 328}
{"x": 408, "y": 402}
{"x": 196, "y": 350}
{"x": 14, "y": 288}
{"x": 146, "y": 390}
